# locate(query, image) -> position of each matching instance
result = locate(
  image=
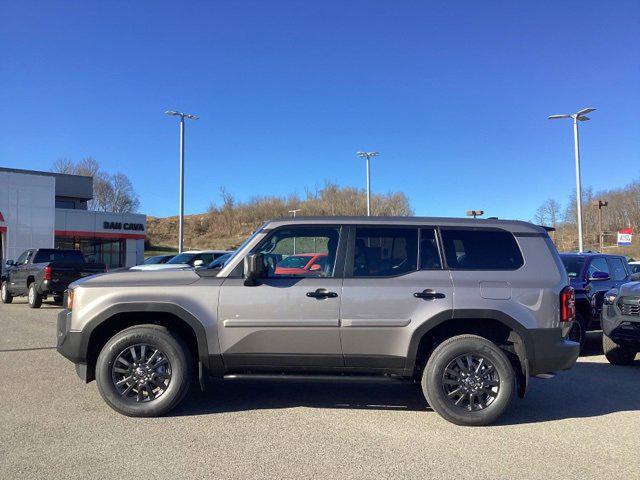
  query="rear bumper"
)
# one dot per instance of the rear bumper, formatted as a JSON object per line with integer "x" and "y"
{"x": 49, "y": 287}
{"x": 548, "y": 351}
{"x": 71, "y": 345}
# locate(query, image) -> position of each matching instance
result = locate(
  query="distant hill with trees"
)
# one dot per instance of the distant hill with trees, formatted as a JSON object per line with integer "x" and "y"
{"x": 228, "y": 223}
{"x": 623, "y": 211}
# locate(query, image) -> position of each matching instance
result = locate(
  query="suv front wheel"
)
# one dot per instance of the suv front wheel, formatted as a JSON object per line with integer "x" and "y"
{"x": 468, "y": 380}
{"x": 143, "y": 371}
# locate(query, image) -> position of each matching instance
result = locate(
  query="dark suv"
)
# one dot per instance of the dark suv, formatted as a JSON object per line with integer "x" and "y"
{"x": 592, "y": 275}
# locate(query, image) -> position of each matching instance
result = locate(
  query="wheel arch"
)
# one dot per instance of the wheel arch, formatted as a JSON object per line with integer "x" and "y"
{"x": 491, "y": 324}
{"x": 118, "y": 317}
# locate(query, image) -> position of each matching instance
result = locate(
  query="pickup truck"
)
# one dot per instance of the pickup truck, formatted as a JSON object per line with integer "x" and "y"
{"x": 39, "y": 273}
{"x": 591, "y": 275}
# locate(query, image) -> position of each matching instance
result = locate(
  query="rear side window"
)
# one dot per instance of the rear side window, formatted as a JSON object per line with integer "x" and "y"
{"x": 385, "y": 252}
{"x": 618, "y": 272}
{"x": 429, "y": 255}
{"x": 481, "y": 250}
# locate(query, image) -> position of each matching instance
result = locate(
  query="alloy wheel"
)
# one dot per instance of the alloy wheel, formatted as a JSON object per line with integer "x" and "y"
{"x": 141, "y": 373}
{"x": 31, "y": 296}
{"x": 471, "y": 382}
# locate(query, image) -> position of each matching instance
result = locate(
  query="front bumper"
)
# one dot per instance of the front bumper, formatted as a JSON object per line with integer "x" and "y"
{"x": 548, "y": 351}
{"x": 72, "y": 345}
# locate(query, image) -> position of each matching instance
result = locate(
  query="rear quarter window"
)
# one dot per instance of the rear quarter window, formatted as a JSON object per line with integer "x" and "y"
{"x": 470, "y": 249}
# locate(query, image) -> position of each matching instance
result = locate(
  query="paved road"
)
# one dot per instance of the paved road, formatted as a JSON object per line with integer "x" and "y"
{"x": 584, "y": 424}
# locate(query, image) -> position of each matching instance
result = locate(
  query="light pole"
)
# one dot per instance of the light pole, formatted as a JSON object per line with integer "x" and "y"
{"x": 600, "y": 203}
{"x": 368, "y": 156}
{"x": 293, "y": 213}
{"x": 579, "y": 116}
{"x": 181, "y": 221}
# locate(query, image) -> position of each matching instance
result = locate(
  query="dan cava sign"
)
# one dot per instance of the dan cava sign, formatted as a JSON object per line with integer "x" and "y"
{"x": 624, "y": 237}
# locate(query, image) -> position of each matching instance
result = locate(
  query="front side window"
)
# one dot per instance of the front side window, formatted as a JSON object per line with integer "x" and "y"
{"x": 598, "y": 265}
{"x": 618, "y": 272}
{"x": 289, "y": 252}
{"x": 385, "y": 252}
{"x": 481, "y": 250}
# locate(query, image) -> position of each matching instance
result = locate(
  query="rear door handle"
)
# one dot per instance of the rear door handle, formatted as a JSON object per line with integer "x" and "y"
{"x": 429, "y": 294}
{"x": 321, "y": 293}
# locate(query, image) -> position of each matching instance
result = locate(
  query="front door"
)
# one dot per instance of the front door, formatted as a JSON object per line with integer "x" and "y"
{"x": 394, "y": 282}
{"x": 290, "y": 318}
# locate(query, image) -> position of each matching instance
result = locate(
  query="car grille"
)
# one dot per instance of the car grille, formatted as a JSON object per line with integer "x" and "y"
{"x": 630, "y": 306}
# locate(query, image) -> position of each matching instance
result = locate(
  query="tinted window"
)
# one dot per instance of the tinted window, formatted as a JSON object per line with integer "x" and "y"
{"x": 635, "y": 268}
{"x": 573, "y": 265}
{"x": 598, "y": 265}
{"x": 383, "y": 252}
{"x": 182, "y": 258}
{"x": 481, "y": 250}
{"x": 429, "y": 256}
{"x": 290, "y": 243}
{"x": 22, "y": 258}
{"x": 46, "y": 256}
{"x": 618, "y": 272}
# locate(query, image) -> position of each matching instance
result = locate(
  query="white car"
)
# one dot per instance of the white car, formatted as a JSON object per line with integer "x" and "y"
{"x": 635, "y": 267}
{"x": 190, "y": 259}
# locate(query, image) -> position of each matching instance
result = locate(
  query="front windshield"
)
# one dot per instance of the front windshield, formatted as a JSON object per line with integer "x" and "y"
{"x": 573, "y": 265}
{"x": 182, "y": 258}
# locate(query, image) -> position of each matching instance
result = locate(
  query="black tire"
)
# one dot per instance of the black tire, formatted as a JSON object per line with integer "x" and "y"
{"x": 5, "y": 295}
{"x": 172, "y": 349}
{"x": 437, "y": 388}
{"x": 34, "y": 298}
{"x": 58, "y": 299}
{"x": 617, "y": 354}
{"x": 578, "y": 332}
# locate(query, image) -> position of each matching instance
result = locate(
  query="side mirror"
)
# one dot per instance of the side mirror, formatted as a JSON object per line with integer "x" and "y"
{"x": 10, "y": 263}
{"x": 315, "y": 267}
{"x": 599, "y": 276}
{"x": 253, "y": 269}
{"x": 198, "y": 263}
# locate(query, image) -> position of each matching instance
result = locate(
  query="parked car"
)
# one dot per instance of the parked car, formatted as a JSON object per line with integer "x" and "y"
{"x": 621, "y": 323}
{"x": 220, "y": 261}
{"x": 195, "y": 258}
{"x": 384, "y": 308}
{"x": 39, "y": 273}
{"x": 592, "y": 275}
{"x": 302, "y": 264}
{"x": 158, "y": 259}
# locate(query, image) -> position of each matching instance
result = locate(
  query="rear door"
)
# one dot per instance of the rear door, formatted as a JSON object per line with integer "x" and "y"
{"x": 18, "y": 276}
{"x": 286, "y": 320}
{"x": 394, "y": 281}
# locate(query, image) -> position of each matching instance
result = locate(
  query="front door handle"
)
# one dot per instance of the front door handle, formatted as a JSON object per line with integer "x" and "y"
{"x": 429, "y": 294}
{"x": 321, "y": 293}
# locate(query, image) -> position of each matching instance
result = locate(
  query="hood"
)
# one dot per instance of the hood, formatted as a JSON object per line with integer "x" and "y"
{"x": 161, "y": 266}
{"x": 630, "y": 289}
{"x": 139, "y": 279}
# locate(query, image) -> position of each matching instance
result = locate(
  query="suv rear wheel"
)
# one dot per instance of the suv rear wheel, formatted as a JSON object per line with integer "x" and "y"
{"x": 143, "y": 371}
{"x": 578, "y": 332}
{"x": 468, "y": 380}
{"x": 617, "y": 354}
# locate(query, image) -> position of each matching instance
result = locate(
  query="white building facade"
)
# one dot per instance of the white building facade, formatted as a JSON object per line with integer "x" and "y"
{"x": 47, "y": 210}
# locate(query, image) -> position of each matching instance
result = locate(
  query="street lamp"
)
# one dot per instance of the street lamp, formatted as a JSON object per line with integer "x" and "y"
{"x": 474, "y": 213}
{"x": 181, "y": 221}
{"x": 293, "y": 213}
{"x": 368, "y": 156}
{"x": 579, "y": 116}
{"x": 600, "y": 203}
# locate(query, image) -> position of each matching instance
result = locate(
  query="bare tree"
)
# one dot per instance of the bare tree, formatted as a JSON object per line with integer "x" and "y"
{"x": 111, "y": 193}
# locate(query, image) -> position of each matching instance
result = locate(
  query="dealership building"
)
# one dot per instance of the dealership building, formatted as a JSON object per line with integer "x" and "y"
{"x": 45, "y": 210}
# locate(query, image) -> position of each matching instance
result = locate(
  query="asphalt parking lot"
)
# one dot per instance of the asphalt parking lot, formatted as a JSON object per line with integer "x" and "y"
{"x": 584, "y": 423}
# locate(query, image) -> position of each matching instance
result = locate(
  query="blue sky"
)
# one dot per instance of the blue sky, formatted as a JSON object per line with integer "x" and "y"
{"x": 454, "y": 95}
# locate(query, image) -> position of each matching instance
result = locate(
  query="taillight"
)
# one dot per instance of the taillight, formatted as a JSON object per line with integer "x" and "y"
{"x": 567, "y": 304}
{"x": 47, "y": 272}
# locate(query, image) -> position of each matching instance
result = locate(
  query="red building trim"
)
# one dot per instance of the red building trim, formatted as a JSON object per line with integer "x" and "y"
{"x": 3, "y": 229}
{"x": 75, "y": 233}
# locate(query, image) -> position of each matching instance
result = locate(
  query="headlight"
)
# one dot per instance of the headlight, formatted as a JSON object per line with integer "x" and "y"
{"x": 70, "y": 299}
{"x": 610, "y": 297}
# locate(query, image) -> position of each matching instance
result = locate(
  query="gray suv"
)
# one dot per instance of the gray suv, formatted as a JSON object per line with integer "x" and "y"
{"x": 469, "y": 308}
